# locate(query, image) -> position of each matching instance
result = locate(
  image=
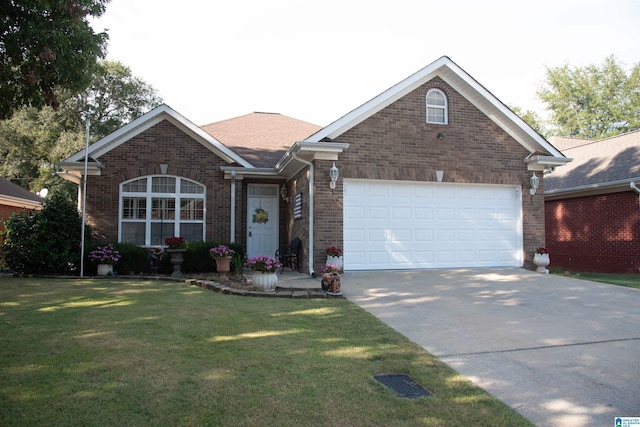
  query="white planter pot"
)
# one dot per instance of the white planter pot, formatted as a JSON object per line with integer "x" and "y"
{"x": 265, "y": 281}
{"x": 541, "y": 261}
{"x": 335, "y": 260}
{"x": 105, "y": 269}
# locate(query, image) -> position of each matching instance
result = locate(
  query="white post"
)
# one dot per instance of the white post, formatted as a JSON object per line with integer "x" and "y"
{"x": 84, "y": 198}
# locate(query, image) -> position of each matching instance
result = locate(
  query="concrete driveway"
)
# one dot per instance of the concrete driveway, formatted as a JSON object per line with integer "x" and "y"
{"x": 560, "y": 351}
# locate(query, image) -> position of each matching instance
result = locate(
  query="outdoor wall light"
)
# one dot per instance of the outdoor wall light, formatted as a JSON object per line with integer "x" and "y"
{"x": 283, "y": 193}
{"x": 440, "y": 135}
{"x": 333, "y": 174}
{"x": 535, "y": 182}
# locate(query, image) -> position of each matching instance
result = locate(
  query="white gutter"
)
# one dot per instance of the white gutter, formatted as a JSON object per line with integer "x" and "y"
{"x": 634, "y": 187}
{"x": 311, "y": 207}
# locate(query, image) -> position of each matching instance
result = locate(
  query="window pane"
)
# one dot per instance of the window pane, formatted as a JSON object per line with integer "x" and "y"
{"x": 188, "y": 187}
{"x": 137, "y": 186}
{"x": 191, "y": 209}
{"x": 133, "y": 232}
{"x": 163, "y": 208}
{"x": 258, "y": 190}
{"x": 134, "y": 208}
{"x": 163, "y": 184}
{"x": 191, "y": 232}
{"x": 435, "y": 98}
{"x": 160, "y": 231}
{"x": 435, "y": 115}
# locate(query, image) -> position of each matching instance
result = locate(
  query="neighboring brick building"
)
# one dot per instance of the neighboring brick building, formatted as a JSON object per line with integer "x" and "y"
{"x": 592, "y": 207}
{"x": 14, "y": 199}
{"x": 433, "y": 173}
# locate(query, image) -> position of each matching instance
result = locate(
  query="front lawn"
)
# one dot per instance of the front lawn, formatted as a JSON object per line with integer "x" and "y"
{"x": 630, "y": 280}
{"x": 97, "y": 352}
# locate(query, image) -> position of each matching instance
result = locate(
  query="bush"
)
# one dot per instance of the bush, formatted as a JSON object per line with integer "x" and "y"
{"x": 43, "y": 242}
{"x": 134, "y": 260}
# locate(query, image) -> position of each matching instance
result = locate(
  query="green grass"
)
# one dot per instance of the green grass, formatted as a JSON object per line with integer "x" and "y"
{"x": 630, "y": 280}
{"x": 128, "y": 353}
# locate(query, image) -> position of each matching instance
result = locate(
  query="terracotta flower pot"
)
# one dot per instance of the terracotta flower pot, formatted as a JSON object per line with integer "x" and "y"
{"x": 223, "y": 266}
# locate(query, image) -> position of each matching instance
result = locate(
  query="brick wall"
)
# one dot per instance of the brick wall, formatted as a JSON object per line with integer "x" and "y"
{"x": 398, "y": 144}
{"x": 595, "y": 233}
{"x": 141, "y": 156}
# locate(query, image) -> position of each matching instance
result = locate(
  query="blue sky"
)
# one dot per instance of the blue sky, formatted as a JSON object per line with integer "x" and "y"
{"x": 316, "y": 61}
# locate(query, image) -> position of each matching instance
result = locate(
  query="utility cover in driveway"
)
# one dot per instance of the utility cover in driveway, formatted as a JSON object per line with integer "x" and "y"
{"x": 397, "y": 225}
{"x": 403, "y": 385}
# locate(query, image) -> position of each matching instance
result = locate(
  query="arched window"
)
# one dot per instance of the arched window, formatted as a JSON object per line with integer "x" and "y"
{"x": 437, "y": 107}
{"x": 153, "y": 208}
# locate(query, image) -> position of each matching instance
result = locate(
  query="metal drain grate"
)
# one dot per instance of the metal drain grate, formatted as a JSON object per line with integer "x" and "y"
{"x": 403, "y": 385}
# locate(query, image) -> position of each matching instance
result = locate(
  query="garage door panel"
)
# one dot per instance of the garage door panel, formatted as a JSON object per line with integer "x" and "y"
{"x": 423, "y": 235}
{"x": 422, "y": 213}
{"x": 390, "y": 224}
{"x": 401, "y": 212}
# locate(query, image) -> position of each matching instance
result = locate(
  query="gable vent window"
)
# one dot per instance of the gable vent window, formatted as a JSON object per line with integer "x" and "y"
{"x": 437, "y": 107}
{"x": 153, "y": 208}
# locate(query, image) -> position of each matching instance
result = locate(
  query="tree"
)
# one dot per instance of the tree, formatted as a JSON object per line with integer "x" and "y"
{"x": 114, "y": 98}
{"x": 46, "y": 46}
{"x": 531, "y": 118}
{"x": 593, "y": 102}
{"x": 33, "y": 140}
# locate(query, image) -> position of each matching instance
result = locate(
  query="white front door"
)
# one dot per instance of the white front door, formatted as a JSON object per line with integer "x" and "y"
{"x": 262, "y": 220}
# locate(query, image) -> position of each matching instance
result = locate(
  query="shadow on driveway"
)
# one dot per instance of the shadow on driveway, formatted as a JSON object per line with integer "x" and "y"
{"x": 560, "y": 351}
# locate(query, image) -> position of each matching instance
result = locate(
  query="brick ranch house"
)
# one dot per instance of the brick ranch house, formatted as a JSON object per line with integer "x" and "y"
{"x": 434, "y": 172}
{"x": 592, "y": 209}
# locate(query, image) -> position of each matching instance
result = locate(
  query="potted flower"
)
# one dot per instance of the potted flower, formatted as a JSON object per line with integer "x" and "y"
{"x": 264, "y": 271}
{"x": 174, "y": 242}
{"x": 105, "y": 257}
{"x": 331, "y": 279}
{"x": 222, "y": 255}
{"x": 334, "y": 256}
{"x": 541, "y": 259}
{"x": 176, "y": 250}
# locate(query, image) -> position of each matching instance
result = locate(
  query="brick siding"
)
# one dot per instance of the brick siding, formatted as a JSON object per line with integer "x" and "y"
{"x": 595, "y": 233}
{"x": 142, "y": 155}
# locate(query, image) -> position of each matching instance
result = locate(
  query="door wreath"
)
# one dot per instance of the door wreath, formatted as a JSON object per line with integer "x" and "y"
{"x": 260, "y": 216}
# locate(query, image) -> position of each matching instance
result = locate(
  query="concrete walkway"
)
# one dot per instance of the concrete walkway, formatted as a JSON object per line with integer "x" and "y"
{"x": 560, "y": 351}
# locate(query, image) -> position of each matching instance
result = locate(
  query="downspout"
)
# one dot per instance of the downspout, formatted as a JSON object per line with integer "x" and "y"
{"x": 635, "y": 188}
{"x": 233, "y": 207}
{"x": 311, "y": 209}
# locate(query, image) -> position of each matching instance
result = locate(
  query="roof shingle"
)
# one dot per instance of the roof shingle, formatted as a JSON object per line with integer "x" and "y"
{"x": 605, "y": 161}
{"x": 261, "y": 138}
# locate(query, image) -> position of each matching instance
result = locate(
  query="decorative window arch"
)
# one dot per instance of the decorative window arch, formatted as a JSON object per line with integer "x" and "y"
{"x": 437, "y": 108}
{"x": 155, "y": 207}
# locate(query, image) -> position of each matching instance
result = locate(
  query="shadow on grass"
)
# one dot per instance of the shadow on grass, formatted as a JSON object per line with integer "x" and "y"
{"x": 96, "y": 352}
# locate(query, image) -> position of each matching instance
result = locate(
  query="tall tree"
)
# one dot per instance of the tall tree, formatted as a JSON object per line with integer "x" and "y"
{"x": 33, "y": 140}
{"x": 115, "y": 97}
{"x": 593, "y": 102}
{"x": 45, "y": 47}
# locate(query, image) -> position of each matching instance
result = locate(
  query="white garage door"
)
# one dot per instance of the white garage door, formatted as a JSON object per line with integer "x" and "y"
{"x": 401, "y": 225}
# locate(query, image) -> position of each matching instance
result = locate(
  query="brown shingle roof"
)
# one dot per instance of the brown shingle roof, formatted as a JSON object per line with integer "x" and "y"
{"x": 261, "y": 138}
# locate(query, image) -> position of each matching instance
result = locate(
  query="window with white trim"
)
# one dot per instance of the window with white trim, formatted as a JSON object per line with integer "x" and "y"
{"x": 153, "y": 208}
{"x": 437, "y": 107}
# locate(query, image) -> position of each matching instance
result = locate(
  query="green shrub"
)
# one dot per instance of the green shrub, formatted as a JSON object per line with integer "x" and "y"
{"x": 134, "y": 260}
{"x": 43, "y": 242}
